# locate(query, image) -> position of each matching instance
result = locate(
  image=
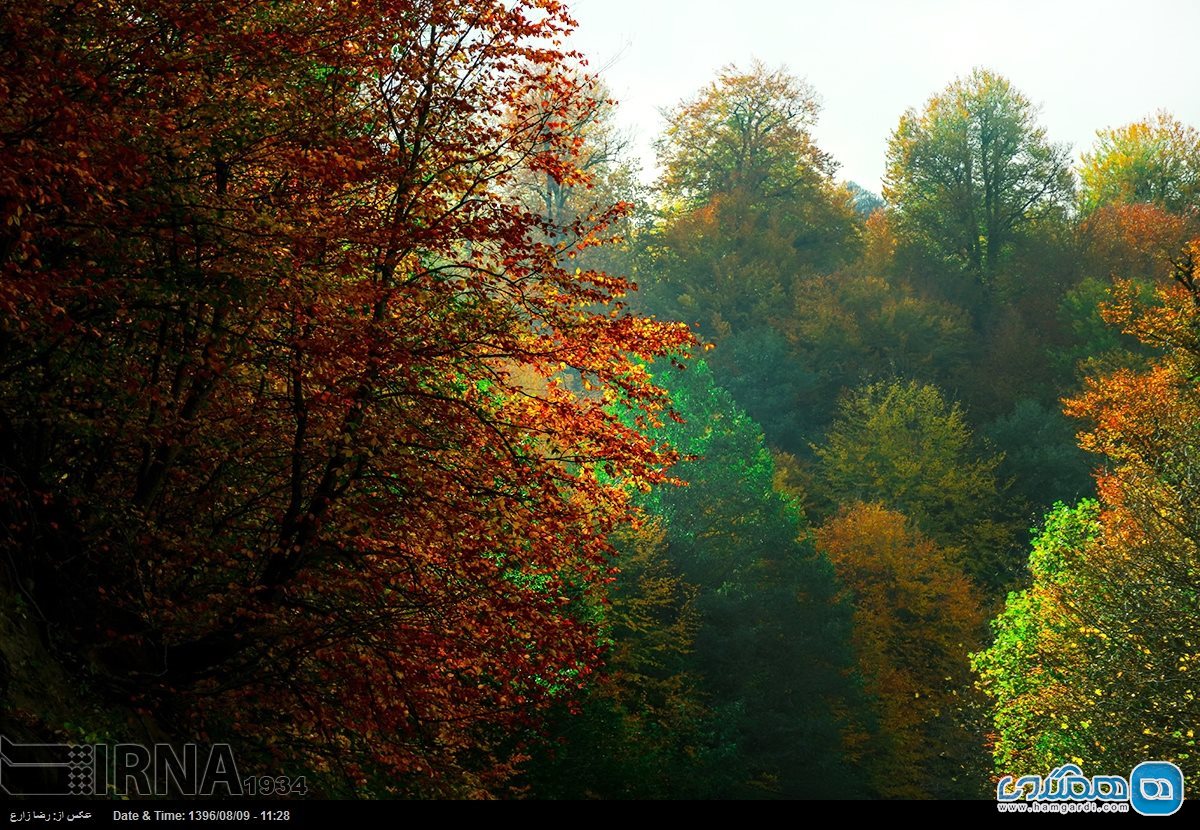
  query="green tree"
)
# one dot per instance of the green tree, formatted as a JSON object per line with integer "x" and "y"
{"x": 1036, "y": 669}
{"x": 1096, "y": 347}
{"x": 1040, "y": 456}
{"x": 973, "y": 169}
{"x": 779, "y": 391}
{"x": 772, "y": 647}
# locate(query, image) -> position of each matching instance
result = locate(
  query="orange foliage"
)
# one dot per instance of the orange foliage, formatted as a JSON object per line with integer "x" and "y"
{"x": 1134, "y": 240}
{"x": 916, "y": 618}
{"x": 1142, "y": 422}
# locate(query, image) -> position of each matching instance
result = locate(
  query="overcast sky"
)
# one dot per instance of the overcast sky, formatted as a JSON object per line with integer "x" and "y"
{"x": 1090, "y": 64}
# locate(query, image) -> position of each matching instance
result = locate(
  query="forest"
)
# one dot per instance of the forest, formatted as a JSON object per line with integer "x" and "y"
{"x": 362, "y": 407}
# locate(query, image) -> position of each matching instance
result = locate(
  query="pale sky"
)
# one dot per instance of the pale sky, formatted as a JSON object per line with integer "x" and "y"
{"x": 1090, "y": 64}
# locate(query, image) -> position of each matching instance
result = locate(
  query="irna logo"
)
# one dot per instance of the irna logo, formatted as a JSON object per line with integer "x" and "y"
{"x": 120, "y": 769}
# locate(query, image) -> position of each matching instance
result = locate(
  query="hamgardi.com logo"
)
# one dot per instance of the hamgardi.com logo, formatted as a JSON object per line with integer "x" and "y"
{"x": 1156, "y": 788}
{"x": 1153, "y": 788}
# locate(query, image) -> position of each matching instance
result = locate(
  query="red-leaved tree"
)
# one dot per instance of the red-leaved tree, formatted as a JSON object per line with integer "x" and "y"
{"x": 287, "y": 444}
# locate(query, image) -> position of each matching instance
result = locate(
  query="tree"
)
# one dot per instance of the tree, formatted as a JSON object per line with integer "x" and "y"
{"x": 586, "y": 117}
{"x": 902, "y": 445}
{"x": 1040, "y": 456}
{"x": 1127, "y": 243}
{"x": 780, "y": 392}
{"x": 748, "y": 131}
{"x": 1008, "y": 361}
{"x": 1153, "y": 161}
{"x": 1035, "y": 670}
{"x": 849, "y": 326}
{"x": 1096, "y": 662}
{"x": 772, "y": 648}
{"x": 1133, "y": 240}
{"x": 1095, "y": 347}
{"x": 879, "y": 243}
{"x": 271, "y": 463}
{"x": 748, "y": 204}
{"x": 916, "y": 617}
{"x": 641, "y": 731}
{"x": 865, "y": 202}
{"x": 972, "y": 170}
{"x": 729, "y": 266}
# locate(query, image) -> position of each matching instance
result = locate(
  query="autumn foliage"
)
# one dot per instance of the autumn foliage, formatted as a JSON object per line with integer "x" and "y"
{"x": 1096, "y": 661}
{"x": 329, "y": 430}
{"x": 270, "y": 455}
{"x": 916, "y": 616}
{"x": 1152, "y": 161}
{"x": 1133, "y": 241}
